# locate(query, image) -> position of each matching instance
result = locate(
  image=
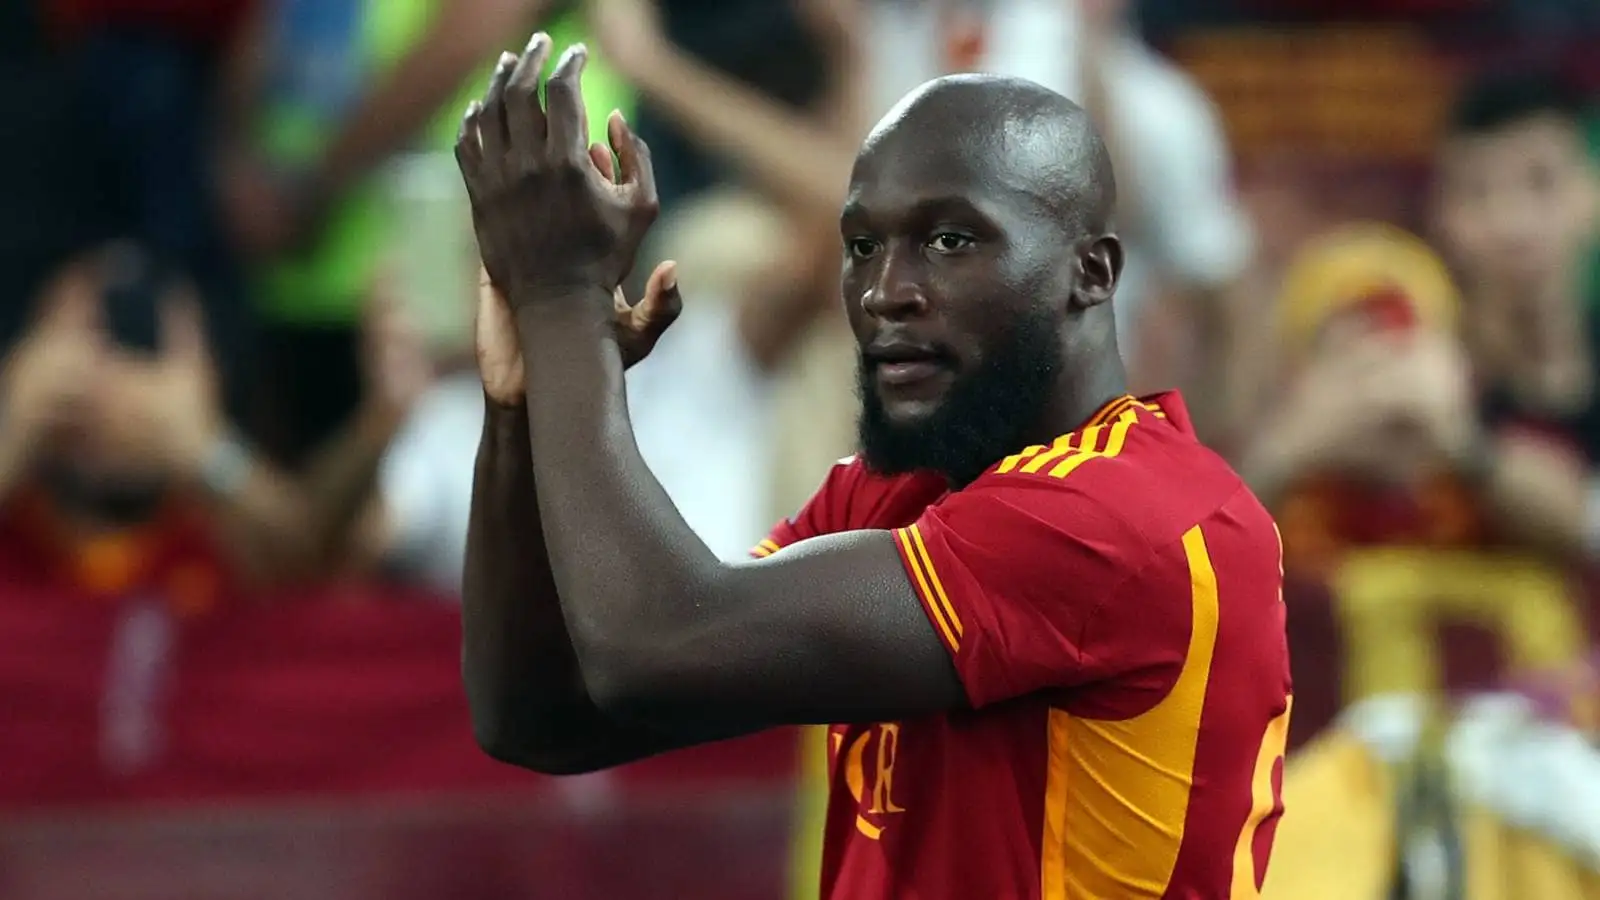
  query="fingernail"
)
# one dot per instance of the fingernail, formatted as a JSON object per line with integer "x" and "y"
{"x": 539, "y": 39}
{"x": 617, "y": 114}
{"x": 507, "y": 59}
{"x": 669, "y": 278}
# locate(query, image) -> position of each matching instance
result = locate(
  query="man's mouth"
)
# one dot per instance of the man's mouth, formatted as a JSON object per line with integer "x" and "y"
{"x": 903, "y": 364}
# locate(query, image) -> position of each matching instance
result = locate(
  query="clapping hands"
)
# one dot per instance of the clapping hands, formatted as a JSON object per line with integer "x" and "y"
{"x": 552, "y": 224}
{"x": 556, "y": 221}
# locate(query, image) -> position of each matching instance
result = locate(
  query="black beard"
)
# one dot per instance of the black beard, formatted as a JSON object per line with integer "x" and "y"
{"x": 986, "y": 414}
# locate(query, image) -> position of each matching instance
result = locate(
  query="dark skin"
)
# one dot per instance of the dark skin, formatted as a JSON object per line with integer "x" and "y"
{"x": 599, "y": 627}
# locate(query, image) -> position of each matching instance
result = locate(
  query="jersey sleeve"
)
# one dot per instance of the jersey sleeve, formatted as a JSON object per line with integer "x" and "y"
{"x": 1023, "y": 583}
{"x": 824, "y": 513}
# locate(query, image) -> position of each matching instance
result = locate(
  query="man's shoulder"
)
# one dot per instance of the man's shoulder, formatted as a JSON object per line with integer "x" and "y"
{"x": 1137, "y": 468}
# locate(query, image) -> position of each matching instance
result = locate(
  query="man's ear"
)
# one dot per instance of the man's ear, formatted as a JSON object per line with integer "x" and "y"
{"x": 1099, "y": 270}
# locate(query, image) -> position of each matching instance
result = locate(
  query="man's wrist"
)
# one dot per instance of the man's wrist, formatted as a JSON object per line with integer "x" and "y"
{"x": 540, "y": 308}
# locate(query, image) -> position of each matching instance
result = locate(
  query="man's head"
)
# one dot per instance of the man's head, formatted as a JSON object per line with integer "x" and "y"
{"x": 978, "y": 270}
{"x": 1517, "y": 189}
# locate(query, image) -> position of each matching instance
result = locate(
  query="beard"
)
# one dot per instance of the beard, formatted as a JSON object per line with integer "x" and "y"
{"x": 986, "y": 414}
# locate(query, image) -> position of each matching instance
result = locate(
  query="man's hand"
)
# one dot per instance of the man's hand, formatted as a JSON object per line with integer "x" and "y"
{"x": 48, "y": 378}
{"x": 547, "y": 216}
{"x": 637, "y": 326}
{"x": 165, "y": 412}
{"x": 395, "y": 358}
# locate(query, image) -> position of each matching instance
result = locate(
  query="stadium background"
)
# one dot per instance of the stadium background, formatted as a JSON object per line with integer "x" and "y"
{"x": 187, "y": 715}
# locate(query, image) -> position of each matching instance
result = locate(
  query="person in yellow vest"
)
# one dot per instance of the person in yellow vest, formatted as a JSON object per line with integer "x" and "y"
{"x": 346, "y": 86}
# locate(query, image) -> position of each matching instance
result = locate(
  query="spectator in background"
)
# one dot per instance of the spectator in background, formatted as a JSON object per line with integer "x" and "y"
{"x": 1516, "y": 214}
{"x": 1374, "y": 462}
{"x": 119, "y": 472}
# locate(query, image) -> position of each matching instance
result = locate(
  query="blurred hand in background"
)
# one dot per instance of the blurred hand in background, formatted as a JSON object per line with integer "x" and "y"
{"x": 164, "y": 410}
{"x": 49, "y": 377}
{"x": 395, "y": 358}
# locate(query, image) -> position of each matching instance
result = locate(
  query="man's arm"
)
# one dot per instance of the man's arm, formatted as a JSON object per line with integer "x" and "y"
{"x": 1536, "y": 493}
{"x": 829, "y": 630}
{"x": 529, "y": 703}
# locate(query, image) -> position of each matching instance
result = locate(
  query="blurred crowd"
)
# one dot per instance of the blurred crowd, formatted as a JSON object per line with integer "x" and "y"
{"x": 237, "y": 275}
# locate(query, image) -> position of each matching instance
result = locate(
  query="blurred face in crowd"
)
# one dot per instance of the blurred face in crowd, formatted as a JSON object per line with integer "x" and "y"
{"x": 957, "y": 278}
{"x": 94, "y": 472}
{"x": 1517, "y": 203}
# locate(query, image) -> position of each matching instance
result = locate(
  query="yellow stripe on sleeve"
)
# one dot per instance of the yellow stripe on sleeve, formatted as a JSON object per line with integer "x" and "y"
{"x": 766, "y": 548}
{"x": 904, "y": 540}
{"x": 933, "y": 578}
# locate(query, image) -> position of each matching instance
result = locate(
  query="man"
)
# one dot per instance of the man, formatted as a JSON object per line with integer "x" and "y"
{"x": 1017, "y": 607}
{"x": 1516, "y": 211}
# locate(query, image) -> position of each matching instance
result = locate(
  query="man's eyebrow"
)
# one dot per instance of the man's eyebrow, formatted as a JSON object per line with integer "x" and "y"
{"x": 929, "y": 206}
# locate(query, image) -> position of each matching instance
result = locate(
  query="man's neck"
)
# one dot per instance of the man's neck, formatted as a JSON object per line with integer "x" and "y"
{"x": 1079, "y": 395}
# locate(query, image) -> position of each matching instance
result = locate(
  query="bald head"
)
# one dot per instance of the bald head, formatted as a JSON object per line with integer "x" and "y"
{"x": 1008, "y": 134}
{"x": 978, "y": 274}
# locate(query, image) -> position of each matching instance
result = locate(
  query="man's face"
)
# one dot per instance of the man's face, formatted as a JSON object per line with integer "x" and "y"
{"x": 1517, "y": 205}
{"x": 950, "y": 282}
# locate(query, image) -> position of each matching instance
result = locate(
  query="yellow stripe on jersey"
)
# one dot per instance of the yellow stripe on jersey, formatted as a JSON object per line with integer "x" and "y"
{"x": 1065, "y": 442}
{"x": 1117, "y": 792}
{"x": 908, "y": 543}
{"x": 1070, "y": 451}
{"x": 1087, "y": 438}
{"x": 1152, "y": 408}
{"x": 1027, "y": 453}
{"x": 1114, "y": 442}
{"x": 1112, "y": 410}
{"x": 933, "y": 578}
{"x": 766, "y": 548}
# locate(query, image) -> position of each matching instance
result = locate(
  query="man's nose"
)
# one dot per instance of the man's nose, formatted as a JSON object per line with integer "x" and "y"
{"x": 897, "y": 292}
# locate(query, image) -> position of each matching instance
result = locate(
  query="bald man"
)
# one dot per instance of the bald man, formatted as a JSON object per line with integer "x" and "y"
{"x": 1043, "y": 622}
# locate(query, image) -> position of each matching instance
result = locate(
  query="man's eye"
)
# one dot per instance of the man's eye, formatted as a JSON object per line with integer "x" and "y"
{"x": 949, "y": 242}
{"x": 861, "y": 248}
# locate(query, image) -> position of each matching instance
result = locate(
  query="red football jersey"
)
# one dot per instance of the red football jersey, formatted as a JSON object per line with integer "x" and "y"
{"x": 1112, "y": 602}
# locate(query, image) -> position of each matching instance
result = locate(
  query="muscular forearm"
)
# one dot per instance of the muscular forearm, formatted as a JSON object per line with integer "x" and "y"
{"x": 631, "y": 573}
{"x": 526, "y": 692}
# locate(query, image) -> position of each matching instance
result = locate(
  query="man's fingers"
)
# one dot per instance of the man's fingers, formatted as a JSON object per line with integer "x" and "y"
{"x": 525, "y": 119}
{"x": 662, "y": 303}
{"x": 492, "y": 126}
{"x": 600, "y": 155}
{"x": 633, "y": 159}
{"x": 469, "y": 146}
{"x": 564, "y": 93}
